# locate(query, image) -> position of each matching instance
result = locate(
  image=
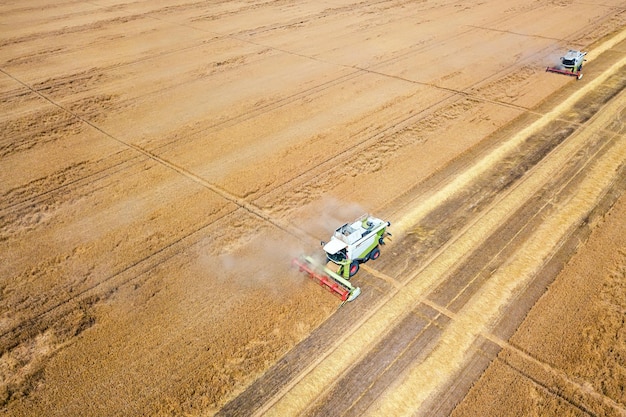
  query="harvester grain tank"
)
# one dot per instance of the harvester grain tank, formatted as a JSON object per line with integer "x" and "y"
{"x": 350, "y": 245}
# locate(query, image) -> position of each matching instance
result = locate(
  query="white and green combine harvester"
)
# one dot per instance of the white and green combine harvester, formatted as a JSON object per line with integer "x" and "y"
{"x": 351, "y": 244}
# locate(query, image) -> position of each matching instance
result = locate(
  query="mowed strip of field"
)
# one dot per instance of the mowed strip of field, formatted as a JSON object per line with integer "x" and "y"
{"x": 565, "y": 358}
{"x": 489, "y": 304}
{"x": 404, "y": 345}
{"x": 500, "y": 286}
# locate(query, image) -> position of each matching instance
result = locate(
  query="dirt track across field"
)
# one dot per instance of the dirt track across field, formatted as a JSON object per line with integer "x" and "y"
{"x": 163, "y": 161}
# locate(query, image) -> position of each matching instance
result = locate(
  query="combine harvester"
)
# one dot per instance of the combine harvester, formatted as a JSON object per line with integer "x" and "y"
{"x": 351, "y": 244}
{"x": 571, "y": 64}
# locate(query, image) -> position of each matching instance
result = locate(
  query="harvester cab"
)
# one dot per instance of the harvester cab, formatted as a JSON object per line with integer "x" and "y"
{"x": 571, "y": 64}
{"x": 350, "y": 245}
{"x": 356, "y": 242}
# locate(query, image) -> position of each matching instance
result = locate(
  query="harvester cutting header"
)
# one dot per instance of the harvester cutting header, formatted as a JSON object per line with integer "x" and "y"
{"x": 350, "y": 245}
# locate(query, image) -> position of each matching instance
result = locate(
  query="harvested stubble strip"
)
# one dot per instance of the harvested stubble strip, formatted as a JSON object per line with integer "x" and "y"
{"x": 480, "y": 314}
{"x": 373, "y": 327}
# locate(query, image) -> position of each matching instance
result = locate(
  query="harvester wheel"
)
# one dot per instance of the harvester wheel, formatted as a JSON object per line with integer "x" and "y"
{"x": 354, "y": 268}
{"x": 374, "y": 254}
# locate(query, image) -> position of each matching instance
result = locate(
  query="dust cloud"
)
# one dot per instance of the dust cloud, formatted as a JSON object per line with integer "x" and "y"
{"x": 264, "y": 262}
{"x": 328, "y": 214}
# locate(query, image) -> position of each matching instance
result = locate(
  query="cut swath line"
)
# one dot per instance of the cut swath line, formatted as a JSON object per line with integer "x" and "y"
{"x": 485, "y": 308}
{"x": 304, "y": 390}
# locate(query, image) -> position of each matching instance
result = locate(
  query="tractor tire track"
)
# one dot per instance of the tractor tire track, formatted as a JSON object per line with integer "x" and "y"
{"x": 71, "y": 81}
{"x": 89, "y": 78}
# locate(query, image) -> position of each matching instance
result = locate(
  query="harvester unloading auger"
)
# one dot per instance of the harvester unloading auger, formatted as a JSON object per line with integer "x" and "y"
{"x": 351, "y": 244}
